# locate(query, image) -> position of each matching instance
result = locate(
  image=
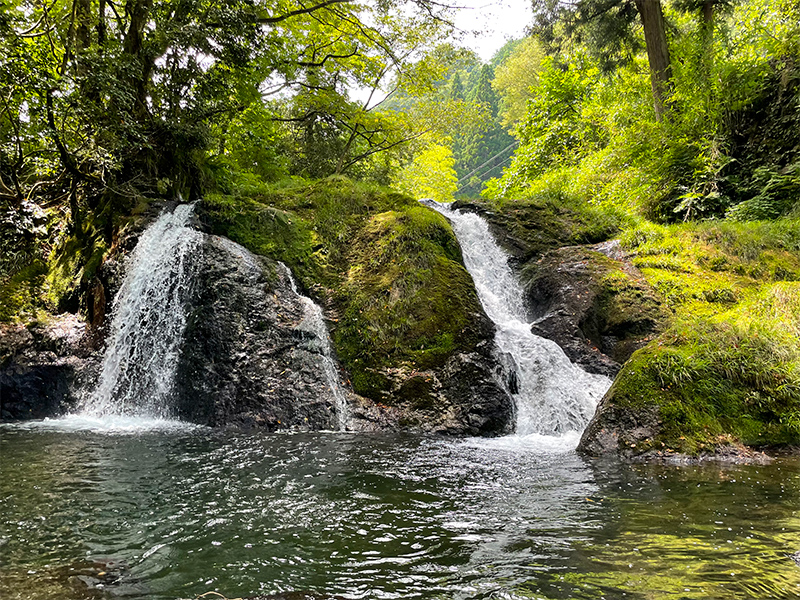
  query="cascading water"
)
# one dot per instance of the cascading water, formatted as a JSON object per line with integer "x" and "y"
{"x": 148, "y": 322}
{"x": 320, "y": 343}
{"x": 554, "y": 396}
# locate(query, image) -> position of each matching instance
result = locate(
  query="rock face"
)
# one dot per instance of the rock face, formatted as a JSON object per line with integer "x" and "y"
{"x": 248, "y": 358}
{"x": 467, "y": 396}
{"x": 245, "y": 360}
{"x": 599, "y": 310}
{"x": 616, "y": 430}
{"x": 43, "y": 367}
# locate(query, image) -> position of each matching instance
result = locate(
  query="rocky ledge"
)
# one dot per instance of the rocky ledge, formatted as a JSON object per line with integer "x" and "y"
{"x": 250, "y": 359}
{"x": 44, "y": 366}
{"x": 593, "y": 304}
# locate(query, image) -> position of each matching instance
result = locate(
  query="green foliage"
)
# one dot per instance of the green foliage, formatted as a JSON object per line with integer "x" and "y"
{"x": 732, "y": 378}
{"x": 481, "y": 150}
{"x": 728, "y": 369}
{"x": 20, "y": 294}
{"x": 430, "y": 175}
{"x": 516, "y": 77}
{"x": 556, "y": 130}
{"x": 727, "y": 146}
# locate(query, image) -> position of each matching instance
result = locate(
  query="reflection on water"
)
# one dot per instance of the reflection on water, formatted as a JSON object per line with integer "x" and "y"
{"x": 175, "y": 513}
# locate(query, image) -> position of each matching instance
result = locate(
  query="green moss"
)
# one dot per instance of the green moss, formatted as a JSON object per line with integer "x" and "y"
{"x": 390, "y": 267}
{"x": 73, "y": 264}
{"x": 552, "y": 219}
{"x": 263, "y": 229}
{"x": 733, "y": 377}
{"x": 21, "y": 294}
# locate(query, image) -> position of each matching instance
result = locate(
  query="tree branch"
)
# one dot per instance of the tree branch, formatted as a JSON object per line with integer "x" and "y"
{"x": 300, "y": 11}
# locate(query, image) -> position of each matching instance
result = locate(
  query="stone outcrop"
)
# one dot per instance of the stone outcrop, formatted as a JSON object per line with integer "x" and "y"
{"x": 244, "y": 360}
{"x": 44, "y": 367}
{"x": 629, "y": 433}
{"x": 598, "y": 309}
{"x": 467, "y": 396}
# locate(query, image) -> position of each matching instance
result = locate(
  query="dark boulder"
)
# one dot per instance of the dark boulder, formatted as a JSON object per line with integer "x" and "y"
{"x": 244, "y": 360}
{"x": 466, "y": 396}
{"x": 598, "y": 309}
{"x": 44, "y": 367}
{"x": 247, "y": 361}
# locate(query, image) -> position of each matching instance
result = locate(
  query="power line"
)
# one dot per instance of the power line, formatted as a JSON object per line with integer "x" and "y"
{"x": 471, "y": 173}
{"x": 487, "y": 172}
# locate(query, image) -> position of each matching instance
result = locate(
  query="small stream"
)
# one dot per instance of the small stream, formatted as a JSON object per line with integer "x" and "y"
{"x": 173, "y": 511}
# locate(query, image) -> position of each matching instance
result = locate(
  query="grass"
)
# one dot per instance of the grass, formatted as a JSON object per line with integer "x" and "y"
{"x": 728, "y": 368}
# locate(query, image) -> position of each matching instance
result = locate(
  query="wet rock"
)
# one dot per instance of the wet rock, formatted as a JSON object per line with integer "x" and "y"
{"x": 44, "y": 366}
{"x": 598, "y": 309}
{"x": 244, "y": 361}
{"x": 631, "y": 433}
{"x": 466, "y": 396}
{"x": 619, "y": 430}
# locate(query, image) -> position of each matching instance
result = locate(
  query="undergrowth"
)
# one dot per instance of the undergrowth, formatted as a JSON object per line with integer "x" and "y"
{"x": 728, "y": 369}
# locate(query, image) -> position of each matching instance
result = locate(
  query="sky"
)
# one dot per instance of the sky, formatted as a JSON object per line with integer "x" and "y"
{"x": 496, "y": 20}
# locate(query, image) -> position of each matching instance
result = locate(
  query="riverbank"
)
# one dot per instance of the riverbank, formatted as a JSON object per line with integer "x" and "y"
{"x": 712, "y": 311}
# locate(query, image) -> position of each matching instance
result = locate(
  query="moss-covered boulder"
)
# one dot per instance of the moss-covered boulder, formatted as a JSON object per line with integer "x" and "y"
{"x": 726, "y": 372}
{"x": 404, "y": 316}
{"x": 528, "y": 228}
{"x": 598, "y": 309}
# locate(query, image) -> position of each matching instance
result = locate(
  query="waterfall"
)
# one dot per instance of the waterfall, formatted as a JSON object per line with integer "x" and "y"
{"x": 320, "y": 343}
{"x": 553, "y": 396}
{"x": 148, "y": 321}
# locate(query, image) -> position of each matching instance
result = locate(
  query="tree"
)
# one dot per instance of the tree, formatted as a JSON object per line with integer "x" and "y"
{"x": 514, "y": 78}
{"x": 483, "y": 146}
{"x": 103, "y": 104}
{"x": 605, "y": 26}
{"x": 430, "y": 175}
{"x": 655, "y": 39}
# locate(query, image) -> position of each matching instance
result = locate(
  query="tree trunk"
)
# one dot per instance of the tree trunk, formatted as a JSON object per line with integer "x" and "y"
{"x": 102, "y": 31}
{"x": 707, "y": 31}
{"x": 133, "y": 45}
{"x": 655, "y": 39}
{"x": 83, "y": 31}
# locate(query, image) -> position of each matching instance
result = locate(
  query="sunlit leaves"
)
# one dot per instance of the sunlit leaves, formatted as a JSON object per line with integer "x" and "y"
{"x": 432, "y": 174}
{"x": 515, "y": 78}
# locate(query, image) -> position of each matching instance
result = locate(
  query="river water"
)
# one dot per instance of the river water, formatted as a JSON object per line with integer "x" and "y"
{"x": 88, "y": 510}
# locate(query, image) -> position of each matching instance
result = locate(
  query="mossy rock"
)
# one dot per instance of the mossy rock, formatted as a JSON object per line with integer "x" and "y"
{"x": 389, "y": 275}
{"x": 707, "y": 383}
{"x": 598, "y": 309}
{"x": 727, "y": 369}
{"x": 528, "y": 228}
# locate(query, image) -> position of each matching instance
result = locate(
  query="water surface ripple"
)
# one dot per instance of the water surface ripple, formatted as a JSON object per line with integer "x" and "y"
{"x": 179, "y": 512}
